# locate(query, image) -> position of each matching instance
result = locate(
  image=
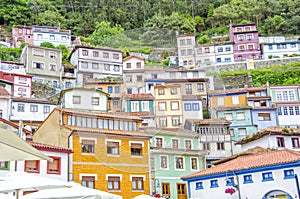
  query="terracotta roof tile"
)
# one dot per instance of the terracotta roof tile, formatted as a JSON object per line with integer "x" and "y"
{"x": 139, "y": 96}
{"x": 274, "y": 130}
{"x": 251, "y": 160}
{"x": 132, "y": 56}
{"x": 238, "y": 90}
{"x": 16, "y": 126}
{"x": 46, "y": 147}
{"x": 3, "y": 91}
{"x": 142, "y": 114}
{"x": 209, "y": 121}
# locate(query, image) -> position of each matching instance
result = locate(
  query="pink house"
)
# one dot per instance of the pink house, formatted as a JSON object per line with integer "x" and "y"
{"x": 22, "y": 34}
{"x": 246, "y": 44}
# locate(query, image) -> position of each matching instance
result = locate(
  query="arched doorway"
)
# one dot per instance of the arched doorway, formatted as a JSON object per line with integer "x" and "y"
{"x": 277, "y": 194}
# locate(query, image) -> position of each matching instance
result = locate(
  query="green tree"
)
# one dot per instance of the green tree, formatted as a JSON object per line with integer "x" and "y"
{"x": 276, "y": 23}
{"x": 65, "y": 52}
{"x": 203, "y": 40}
{"x": 47, "y": 45}
{"x": 199, "y": 22}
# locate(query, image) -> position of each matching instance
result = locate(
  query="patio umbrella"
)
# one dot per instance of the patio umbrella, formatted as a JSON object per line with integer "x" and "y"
{"x": 143, "y": 196}
{"x": 21, "y": 181}
{"x": 75, "y": 192}
{"x": 13, "y": 148}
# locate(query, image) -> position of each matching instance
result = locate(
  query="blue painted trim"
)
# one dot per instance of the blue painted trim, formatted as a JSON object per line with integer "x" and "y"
{"x": 276, "y": 190}
{"x": 268, "y": 179}
{"x": 246, "y": 171}
{"x": 151, "y": 80}
{"x": 228, "y": 94}
{"x": 190, "y": 99}
{"x": 189, "y": 189}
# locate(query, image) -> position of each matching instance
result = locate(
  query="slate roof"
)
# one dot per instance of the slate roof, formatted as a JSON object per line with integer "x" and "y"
{"x": 275, "y": 130}
{"x": 254, "y": 158}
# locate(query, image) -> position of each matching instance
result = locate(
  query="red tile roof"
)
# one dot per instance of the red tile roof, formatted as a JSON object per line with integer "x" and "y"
{"x": 132, "y": 56}
{"x": 3, "y": 91}
{"x": 46, "y": 147}
{"x": 142, "y": 114}
{"x": 16, "y": 126}
{"x": 139, "y": 96}
{"x": 254, "y": 159}
{"x": 209, "y": 121}
{"x": 275, "y": 130}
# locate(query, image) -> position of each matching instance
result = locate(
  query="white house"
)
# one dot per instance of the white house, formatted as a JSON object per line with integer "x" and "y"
{"x": 12, "y": 67}
{"x": 186, "y": 50}
{"x": 84, "y": 99}
{"x": 257, "y": 173}
{"x": 272, "y": 138}
{"x": 224, "y": 53}
{"x": 280, "y": 49}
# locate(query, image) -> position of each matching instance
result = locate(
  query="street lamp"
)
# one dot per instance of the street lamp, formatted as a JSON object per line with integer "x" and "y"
{"x": 156, "y": 185}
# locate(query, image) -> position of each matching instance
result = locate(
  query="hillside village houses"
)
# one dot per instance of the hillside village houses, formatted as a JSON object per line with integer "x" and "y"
{"x": 121, "y": 126}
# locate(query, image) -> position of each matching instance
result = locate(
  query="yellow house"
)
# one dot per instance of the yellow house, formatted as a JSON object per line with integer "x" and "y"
{"x": 109, "y": 152}
{"x": 228, "y": 98}
{"x": 114, "y": 89}
{"x": 168, "y": 106}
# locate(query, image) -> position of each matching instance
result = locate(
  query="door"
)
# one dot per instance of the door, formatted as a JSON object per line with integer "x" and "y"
{"x": 181, "y": 191}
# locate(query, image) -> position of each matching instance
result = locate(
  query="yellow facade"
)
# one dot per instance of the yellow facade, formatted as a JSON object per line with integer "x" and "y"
{"x": 228, "y": 100}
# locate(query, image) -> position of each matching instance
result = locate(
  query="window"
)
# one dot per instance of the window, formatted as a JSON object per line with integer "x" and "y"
{"x": 52, "y": 37}
{"x": 200, "y": 87}
{"x": 175, "y": 143}
{"x": 109, "y": 89}
{"x": 95, "y": 100}
{"x": 179, "y": 162}
{"x": 95, "y": 54}
{"x": 182, "y": 52}
{"x": 280, "y": 142}
{"x": 248, "y": 179}
{"x": 220, "y": 49}
{"x": 52, "y": 67}
{"x": 40, "y": 36}
{"x": 162, "y": 106}
{"x": 188, "y": 144}
{"x": 194, "y": 163}
{"x": 291, "y": 110}
{"x": 285, "y": 110}
{"x": 88, "y": 146}
{"x": 289, "y": 173}
{"x": 117, "y": 89}
{"x": 173, "y": 91}
{"x": 195, "y": 106}
{"x": 116, "y": 56}
{"x": 38, "y": 52}
{"x": 295, "y": 143}
{"x": 264, "y": 117}
{"x": 188, "y": 88}
{"x": 297, "y": 110}
{"x": 220, "y": 146}
{"x": 88, "y": 181}
{"x": 205, "y": 146}
{"x": 235, "y": 99}
{"x": 112, "y": 148}
{"x": 220, "y": 101}
{"x": 32, "y": 166}
{"x": 105, "y": 55}
{"x": 64, "y": 38}
{"x": 229, "y": 181}
{"x": 247, "y": 29}
{"x": 33, "y": 108}
{"x": 285, "y": 95}
{"x": 85, "y": 52}
{"x": 175, "y": 121}
{"x": 145, "y": 105}
{"x": 188, "y": 41}
{"x": 241, "y": 47}
{"x": 84, "y": 65}
{"x": 95, "y": 66}
{"x": 115, "y": 103}
{"x": 228, "y": 116}
{"x": 161, "y": 91}
{"x": 174, "y": 105}
{"x": 251, "y": 47}
{"x": 279, "y": 111}
{"x": 137, "y": 183}
{"x": 182, "y": 42}
{"x": 52, "y": 55}
{"x": 46, "y": 109}
{"x": 129, "y": 78}
{"x": 76, "y": 100}
{"x": 138, "y": 65}
{"x": 154, "y": 76}
{"x": 206, "y": 50}
{"x": 270, "y": 47}
{"x": 21, "y": 107}
{"x": 116, "y": 68}
{"x": 199, "y": 185}
{"x": 128, "y": 65}
{"x": 107, "y": 67}
{"x": 240, "y": 116}
{"x": 54, "y": 167}
{"x": 113, "y": 183}
{"x": 20, "y": 31}
{"x": 219, "y": 60}
{"x": 267, "y": 176}
{"x": 136, "y": 149}
{"x": 242, "y": 131}
{"x": 135, "y": 106}
{"x": 165, "y": 189}
{"x": 249, "y": 36}
{"x": 240, "y": 37}
{"x": 163, "y": 162}
{"x": 129, "y": 90}
{"x": 158, "y": 142}
{"x": 214, "y": 184}
{"x": 38, "y": 65}
{"x": 187, "y": 107}
{"x": 4, "y": 165}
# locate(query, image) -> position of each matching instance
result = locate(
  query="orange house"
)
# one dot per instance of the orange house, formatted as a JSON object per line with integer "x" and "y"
{"x": 110, "y": 154}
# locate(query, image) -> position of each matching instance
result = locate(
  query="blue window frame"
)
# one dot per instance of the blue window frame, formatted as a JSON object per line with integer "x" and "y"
{"x": 227, "y": 59}
{"x": 229, "y": 181}
{"x": 219, "y": 60}
{"x": 214, "y": 184}
{"x": 270, "y": 47}
{"x": 220, "y": 49}
{"x": 196, "y": 107}
{"x": 267, "y": 176}
{"x": 199, "y": 185}
{"x": 117, "y": 89}
{"x": 109, "y": 89}
{"x": 115, "y": 103}
{"x": 100, "y": 89}
{"x": 187, "y": 107}
{"x": 228, "y": 49}
{"x": 248, "y": 179}
{"x": 289, "y": 174}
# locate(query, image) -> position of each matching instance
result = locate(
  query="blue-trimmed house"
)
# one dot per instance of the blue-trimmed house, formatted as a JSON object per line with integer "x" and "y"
{"x": 258, "y": 173}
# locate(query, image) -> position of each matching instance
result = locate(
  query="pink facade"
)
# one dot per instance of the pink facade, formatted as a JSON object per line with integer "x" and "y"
{"x": 22, "y": 34}
{"x": 246, "y": 43}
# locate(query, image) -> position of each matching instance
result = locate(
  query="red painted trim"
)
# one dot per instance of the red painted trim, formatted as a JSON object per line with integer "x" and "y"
{"x": 59, "y": 165}
{"x": 38, "y": 166}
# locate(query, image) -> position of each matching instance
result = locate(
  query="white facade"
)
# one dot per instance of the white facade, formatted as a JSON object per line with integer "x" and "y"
{"x": 280, "y": 50}
{"x": 224, "y": 53}
{"x": 54, "y": 35}
{"x": 12, "y": 67}
{"x": 192, "y": 109}
{"x": 186, "y": 50}
{"x": 256, "y": 189}
{"x": 5, "y": 107}
{"x": 84, "y": 99}
{"x": 22, "y": 86}
{"x": 205, "y": 55}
